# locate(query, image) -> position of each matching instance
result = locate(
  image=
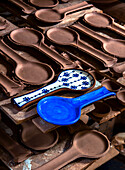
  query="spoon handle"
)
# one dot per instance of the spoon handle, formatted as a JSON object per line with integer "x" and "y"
{"x": 25, "y": 100}
{"x": 75, "y": 7}
{"x": 65, "y": 63}
{"x": 11, "y": 53}
{"x": 89, "y": 32}
{"x": 117, "y": 28}
{"x": 11, "y": 88}
{"x": 91, "y": 97}
{"x": 25, "y": 7}
{"x": 61, "y": 160}
{"x": 108, "y": 61}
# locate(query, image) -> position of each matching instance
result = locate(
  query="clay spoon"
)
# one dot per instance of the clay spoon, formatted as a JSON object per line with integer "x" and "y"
{"x": 26, "y": 8}
{"x": 35, "y": 39}
{"x": 33, "y": 138}
{"x": 66, "y": 111}
{"x": 9, "y": 86}
{"x": 112, "y": 46}
{"x": 56, "y": 16}
{"x": 101, "y": 20}
{"x": 78, "y": 80}
{"x": 67, "y": 36}
{"x": 44, "y": 3}
{"x": 88, "y": 143}
{"x": 33, "y": 73}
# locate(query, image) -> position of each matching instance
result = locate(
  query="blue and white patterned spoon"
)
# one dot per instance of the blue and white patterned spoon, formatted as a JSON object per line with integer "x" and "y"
{"x": 72, "y": 79}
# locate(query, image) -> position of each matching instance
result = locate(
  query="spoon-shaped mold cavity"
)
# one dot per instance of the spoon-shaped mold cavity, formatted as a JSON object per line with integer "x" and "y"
{"x": 101, "y": 109}
{"x": 110, "y": 85}
{"x": 121, "y": 96}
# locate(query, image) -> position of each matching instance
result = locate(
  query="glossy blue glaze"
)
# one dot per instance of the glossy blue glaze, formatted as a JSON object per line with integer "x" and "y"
{"x": 66, "y": 111}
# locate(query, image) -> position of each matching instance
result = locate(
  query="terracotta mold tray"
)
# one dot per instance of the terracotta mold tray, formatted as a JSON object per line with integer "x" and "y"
{"x": 37, "y": 41}
{"x": 56, "y": 16}
{"x": 107, "y": 43}
{"x": 72, "y": 38}
{"x": 42, "y": 73}
{"x": 102, "y": 20}
{"x": 86, "y": 59}
{"x": 31, "y": 19}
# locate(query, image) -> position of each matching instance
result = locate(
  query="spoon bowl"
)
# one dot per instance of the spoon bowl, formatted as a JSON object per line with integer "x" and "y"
{"x": 88, "y": 143}
{"x": 29, "y": 37}
{"x": 66, "y": 111}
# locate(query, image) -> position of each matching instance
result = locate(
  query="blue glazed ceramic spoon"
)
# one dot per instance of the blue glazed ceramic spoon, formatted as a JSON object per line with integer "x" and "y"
{"x": 66, "y": 111}
{"x": 72, "y": 79}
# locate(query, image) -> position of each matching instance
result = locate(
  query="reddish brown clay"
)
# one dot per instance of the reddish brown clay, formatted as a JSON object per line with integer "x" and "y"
{"x": 101, "y": 109}
{"x": 33, "y": 73}
{"x": 35, "y": 39}
{"x": 43, "y": 125}
{"x": 18, "y": 152}
{"x": 55, "y": 16}
{"x": 9, "y": 86}
{"x": 112, "y": 46}
{"x": 119, "y": 68}
{"x": 102, "y": 20}
{"x": 26, "y": 8}
{"x": 89, "y": 143}
{"x": 44, "y": 4}
{"x": 33, "y": 138}
{"x": 67, "y": 36}
{"x": 110, "y": 85}
{"x": 121, "y": 96}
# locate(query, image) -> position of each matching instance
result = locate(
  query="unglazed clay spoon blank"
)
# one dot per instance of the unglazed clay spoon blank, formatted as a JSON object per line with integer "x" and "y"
{"x": 9, "y": 86}
{"x": 67, "y": 36}
{"x": 33, "y": 138}
{"x": 112, "y": 46}
{"x": 35, "y": 39}
{"x": 26, "y": 8}
{"x": 44, "y": 3}
{"x": 72, "y": 79}
{"x": 101, "y": 20}
{"x": 56, "y": 16}
{"x": 34, "y": 73}
{"x": 89, "y": 144}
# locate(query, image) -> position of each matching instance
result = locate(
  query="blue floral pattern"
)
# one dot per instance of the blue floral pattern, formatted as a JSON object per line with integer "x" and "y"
{"x": 72, "y": 79}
